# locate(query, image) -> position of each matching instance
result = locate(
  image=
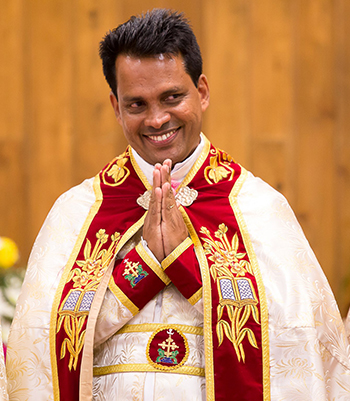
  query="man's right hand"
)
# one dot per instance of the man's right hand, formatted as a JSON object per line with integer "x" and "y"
{"x": 152, "y": 227}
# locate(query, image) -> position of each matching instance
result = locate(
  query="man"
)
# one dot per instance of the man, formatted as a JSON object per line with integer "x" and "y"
{"x": 174, "y": 274}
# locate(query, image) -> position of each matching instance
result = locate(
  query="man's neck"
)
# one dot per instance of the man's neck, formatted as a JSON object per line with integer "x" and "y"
{"x": 179, "y": 171}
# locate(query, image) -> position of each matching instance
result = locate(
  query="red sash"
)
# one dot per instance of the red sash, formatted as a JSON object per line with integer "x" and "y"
{"x": 235, "y": 343}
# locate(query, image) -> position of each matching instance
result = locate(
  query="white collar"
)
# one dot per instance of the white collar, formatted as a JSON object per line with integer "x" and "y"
{"x": 179, "y": 171}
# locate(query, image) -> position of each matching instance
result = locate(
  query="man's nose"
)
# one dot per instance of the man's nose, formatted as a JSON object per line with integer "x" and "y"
{"x": 157, "y": 117}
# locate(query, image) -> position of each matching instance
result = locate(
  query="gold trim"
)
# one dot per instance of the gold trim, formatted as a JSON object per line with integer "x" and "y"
{"x": 119, "y": 294}
{"x": 112, "y": 286}
{"x": 180, "y": 249}
{"x": 144, "y": 367}
{"x": 138, "y": 170}
{"x": 196, "y": 296}
{"x": 262, "y": 295}
{"x": 123, "y": 156}
{"x": 153, "y": 265}
{"x": 208, "y": 335}
{"x": 198, "y": 164}
{"x": 86, "y": 374}
{"x": 144, "y": 327}
{"x": 78, "y": 244}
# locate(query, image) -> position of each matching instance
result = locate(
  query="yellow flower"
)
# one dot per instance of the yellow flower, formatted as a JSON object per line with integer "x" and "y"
{"x": 118, "y": 171}
{"x": 102, "y": 236}
{"x": 81, "y": 279}
{"x": 218, "y": 259}
{"x": 89, "y": 265}
{"x": 238, "y": 269}
{"x": 8, "y": 253}
{"x": 216, "y": 172}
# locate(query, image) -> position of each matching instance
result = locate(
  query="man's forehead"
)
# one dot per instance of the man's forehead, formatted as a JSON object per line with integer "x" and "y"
{"x": 164, "y": 71}
{"x": 139, "y": 60}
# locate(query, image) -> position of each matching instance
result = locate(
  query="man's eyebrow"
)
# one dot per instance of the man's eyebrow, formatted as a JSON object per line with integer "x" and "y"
{"x": 172, "y": 90}
{"x": 132, "y": 98}
{"x": 167, "y": 92}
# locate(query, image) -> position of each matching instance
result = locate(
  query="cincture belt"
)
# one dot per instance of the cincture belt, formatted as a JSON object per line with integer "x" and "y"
{"x": 172, "y": 348}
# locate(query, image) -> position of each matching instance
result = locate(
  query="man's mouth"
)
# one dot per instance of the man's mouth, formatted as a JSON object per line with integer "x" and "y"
{"x": 164, "y": 137}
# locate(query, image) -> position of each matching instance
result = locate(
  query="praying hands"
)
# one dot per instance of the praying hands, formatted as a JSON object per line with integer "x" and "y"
{"x": 164, "y": 228}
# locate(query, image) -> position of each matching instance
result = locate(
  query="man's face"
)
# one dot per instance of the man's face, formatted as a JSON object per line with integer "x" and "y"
{"x": 159, "y": 107}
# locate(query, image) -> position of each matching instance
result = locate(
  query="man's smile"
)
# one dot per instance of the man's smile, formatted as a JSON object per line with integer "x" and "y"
{"x": 164, "y": 137}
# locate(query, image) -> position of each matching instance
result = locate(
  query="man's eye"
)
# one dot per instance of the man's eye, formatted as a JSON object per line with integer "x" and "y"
{"x": 135, "y": 105}
{"x": 173, "y": 97}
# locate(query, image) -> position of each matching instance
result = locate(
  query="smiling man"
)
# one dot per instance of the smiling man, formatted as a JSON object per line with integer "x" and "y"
{"x": 174, "y": 274}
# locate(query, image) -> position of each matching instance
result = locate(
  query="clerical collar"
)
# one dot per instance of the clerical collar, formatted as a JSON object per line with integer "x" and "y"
{"x": 179, "y": 171}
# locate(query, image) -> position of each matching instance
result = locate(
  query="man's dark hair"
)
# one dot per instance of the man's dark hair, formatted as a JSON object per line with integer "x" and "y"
{"x": 159, "y": 31}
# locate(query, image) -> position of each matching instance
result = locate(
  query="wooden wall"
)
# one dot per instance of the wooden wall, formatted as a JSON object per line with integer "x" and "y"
{"x": 279, "y": 72}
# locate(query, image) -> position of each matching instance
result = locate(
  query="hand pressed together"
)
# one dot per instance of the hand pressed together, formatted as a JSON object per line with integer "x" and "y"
{"x": 164, "y": 228}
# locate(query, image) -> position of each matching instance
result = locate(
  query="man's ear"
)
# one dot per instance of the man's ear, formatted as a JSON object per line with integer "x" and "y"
{"x": 115, "y": 105}
{"x": 203, "y": 90}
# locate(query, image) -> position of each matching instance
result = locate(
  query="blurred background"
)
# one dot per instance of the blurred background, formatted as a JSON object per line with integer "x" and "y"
{"x": 279, "y": 74}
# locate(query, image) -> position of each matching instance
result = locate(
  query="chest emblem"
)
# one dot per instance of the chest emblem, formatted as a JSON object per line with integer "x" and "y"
{"x": 167, "y": 349}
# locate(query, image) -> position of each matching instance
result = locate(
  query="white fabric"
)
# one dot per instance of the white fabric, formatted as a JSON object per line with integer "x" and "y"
{"x": 309, "y": 351}
{"x": 308, "y": 347}
{"x": 28, "y": 362}
{"x": 130, "y": 348}
{"x": 347, "y": 325}
{"x": 3, "y": 379}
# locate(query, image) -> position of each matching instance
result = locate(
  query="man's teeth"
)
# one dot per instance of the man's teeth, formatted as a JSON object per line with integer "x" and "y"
{"x": 163, "y": 137}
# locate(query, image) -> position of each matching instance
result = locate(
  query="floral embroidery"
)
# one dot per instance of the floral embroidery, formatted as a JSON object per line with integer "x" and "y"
{"x": 219, "y": 167}
{"x": 76, "y": 305}
{"x": 236, "y": 292}
{"x": 298, "y": 368}
{"x": 117, "y": 171}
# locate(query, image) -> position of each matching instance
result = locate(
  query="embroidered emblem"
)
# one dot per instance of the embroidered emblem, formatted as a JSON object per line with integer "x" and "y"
{"x": 133, "y": 272}
{"x": 186, "y": 196}
{"x": 76, "y": 305}
{"x": 219, "y": 167}
{"x": 167, "y": 349}
{"x": 117, "y": 171}
{"x": 236, "y": 291}
{"x": 144, "y": 199}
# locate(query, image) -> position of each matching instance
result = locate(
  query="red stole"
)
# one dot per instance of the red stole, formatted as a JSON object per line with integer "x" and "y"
{"x": 235, "y": 346}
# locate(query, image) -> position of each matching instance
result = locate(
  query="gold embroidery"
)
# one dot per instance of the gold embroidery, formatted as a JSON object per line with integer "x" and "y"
{"x": 167, "y": 359}
{"x": 219, "y": 167}
{"x": 53, "y": 320}
{"x": 118, "y": 171}
{"x": 76, "y": 305}
{"x": 235, "y": 290}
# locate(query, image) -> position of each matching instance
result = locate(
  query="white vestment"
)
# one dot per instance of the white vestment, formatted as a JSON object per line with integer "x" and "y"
{"x": 309, "y": 350}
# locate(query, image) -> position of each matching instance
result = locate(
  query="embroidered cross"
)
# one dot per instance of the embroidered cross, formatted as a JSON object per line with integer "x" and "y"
{"x": 133, "y": 272}
{"x": 168, "y": 352}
